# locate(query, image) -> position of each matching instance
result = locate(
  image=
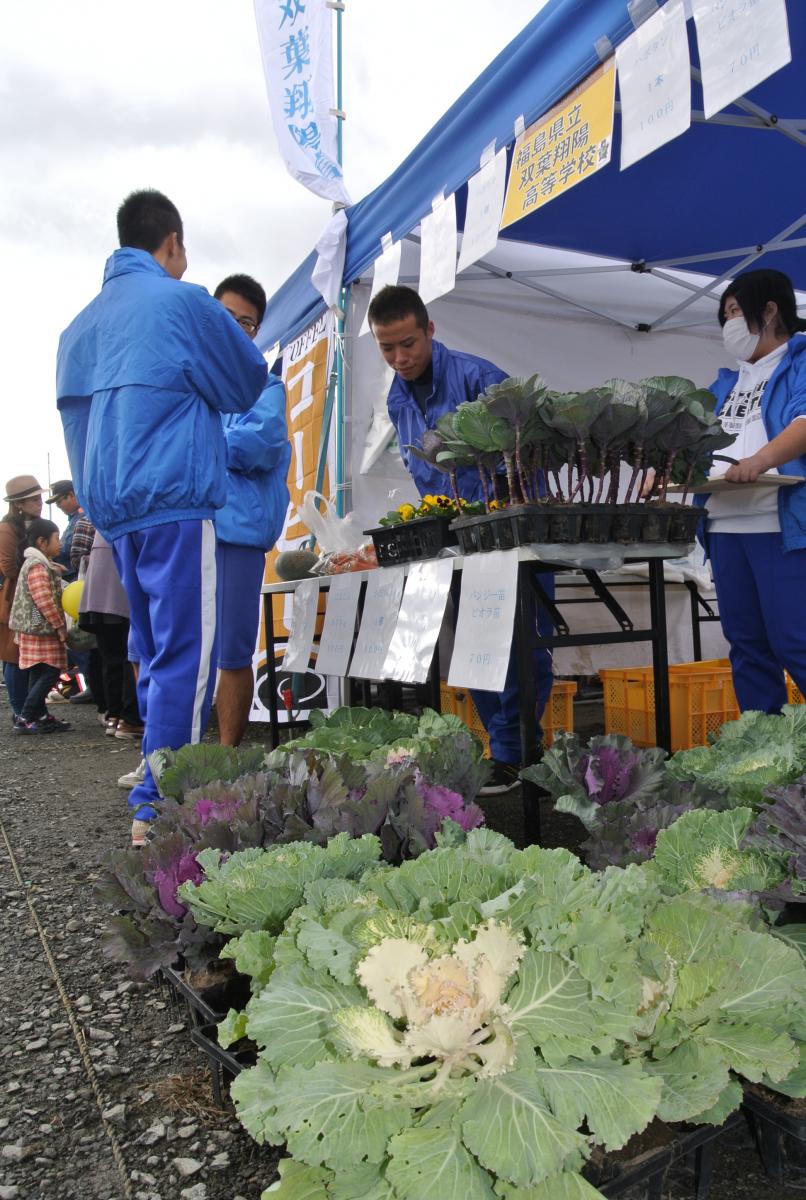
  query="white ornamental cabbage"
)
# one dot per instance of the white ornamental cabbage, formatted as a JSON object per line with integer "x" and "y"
{"x": 451, "y": 1003}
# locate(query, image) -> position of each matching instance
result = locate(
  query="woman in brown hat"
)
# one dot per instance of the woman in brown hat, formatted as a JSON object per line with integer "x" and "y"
{"x": 24, "y": 499}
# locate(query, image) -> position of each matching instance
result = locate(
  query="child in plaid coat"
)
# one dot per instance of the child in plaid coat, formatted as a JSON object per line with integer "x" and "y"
{"x": 40, "y": 627}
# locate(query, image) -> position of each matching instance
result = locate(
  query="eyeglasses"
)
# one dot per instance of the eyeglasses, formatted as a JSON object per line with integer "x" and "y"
{"x": 246, "y": 323}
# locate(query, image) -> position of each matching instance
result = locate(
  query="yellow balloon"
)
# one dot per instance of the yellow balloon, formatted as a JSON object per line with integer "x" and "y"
{"x": 71, "y": 598}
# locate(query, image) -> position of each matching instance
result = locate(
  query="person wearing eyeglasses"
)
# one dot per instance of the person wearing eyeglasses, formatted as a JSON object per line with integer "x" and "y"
{"x": 143, "y": 374}
{"x": 258, "y": 455}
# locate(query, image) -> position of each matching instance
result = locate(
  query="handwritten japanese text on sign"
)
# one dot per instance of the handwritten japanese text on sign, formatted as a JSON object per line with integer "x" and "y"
{"x": 486, "y": 620}
{"x": 570, "y": 143}
{"x": 337, "y": 635}
{"x": 381, "y": 604}
{"x": 419, "y": 621}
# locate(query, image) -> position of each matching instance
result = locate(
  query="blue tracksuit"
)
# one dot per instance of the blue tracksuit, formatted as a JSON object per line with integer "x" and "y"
{"x": 143, "y": 375}
{"x": 761, "y": 577}
{"x": 458, "y": 377}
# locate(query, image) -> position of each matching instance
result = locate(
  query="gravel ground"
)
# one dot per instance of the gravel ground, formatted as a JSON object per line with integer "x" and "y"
{"x": 139, "y": 1121}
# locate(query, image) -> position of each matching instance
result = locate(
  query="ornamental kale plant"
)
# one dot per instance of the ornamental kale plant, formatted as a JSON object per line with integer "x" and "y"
{"x": 780, "y": 827}
{"x": 484, "y": 1017}
{"x": 749, "y": 755}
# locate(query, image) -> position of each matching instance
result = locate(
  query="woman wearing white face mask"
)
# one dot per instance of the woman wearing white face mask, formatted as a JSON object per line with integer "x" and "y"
{"x": 756, "y": 535}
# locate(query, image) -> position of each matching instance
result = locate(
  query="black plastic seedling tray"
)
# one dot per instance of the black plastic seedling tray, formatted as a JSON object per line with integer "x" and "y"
{"x": 780, "y": 1138}
{"x": 224, "y": 1064}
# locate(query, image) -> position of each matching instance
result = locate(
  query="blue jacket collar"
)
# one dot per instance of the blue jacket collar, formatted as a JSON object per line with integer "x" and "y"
{"x": 438, "y": 355}
{"x": 128, "y": 260}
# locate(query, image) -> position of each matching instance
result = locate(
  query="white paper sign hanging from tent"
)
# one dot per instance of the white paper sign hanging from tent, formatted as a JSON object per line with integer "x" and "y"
{"x": 485, "y": 202}
{"x": 336, "y": 641}
{"x": 741, "y": 43}
{"x": 418, "y": 621}
{"x": 438, "y": 250}
{"x": 381, "y": 604}
{"x": 303, "y": 626}
{"x": 654, "y": 75}
{"x": 387, "y": 270}
{"x": 486, "y": 621}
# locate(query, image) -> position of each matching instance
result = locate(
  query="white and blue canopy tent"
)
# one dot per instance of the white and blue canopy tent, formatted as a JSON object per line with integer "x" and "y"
{"x": 618, "y": 276}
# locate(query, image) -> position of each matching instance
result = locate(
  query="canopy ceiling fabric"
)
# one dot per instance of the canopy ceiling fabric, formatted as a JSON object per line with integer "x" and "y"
{"x": 709, "y": 201}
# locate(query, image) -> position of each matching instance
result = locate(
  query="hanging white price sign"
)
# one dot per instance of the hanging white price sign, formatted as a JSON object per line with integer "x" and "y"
{"x": 486, "y": 621}
{"x": 381, "y": 604}
{"x": 303, "y": 626}
{"x": 336, "y": 641}
{"x": 654, "y": 75}
{"x": 485, "y": 203}
{"x": 741, "y": 43}
{"x": 418, "y": 621}
{"x": 438, "y": 250}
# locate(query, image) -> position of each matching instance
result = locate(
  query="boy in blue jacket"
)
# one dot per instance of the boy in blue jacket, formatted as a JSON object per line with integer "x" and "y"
{"x": 143, "y": 375}
{"x": 431, "y": 380}
{"x": 258, "y": 455}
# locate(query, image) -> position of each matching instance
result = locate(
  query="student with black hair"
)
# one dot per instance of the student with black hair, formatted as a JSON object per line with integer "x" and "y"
{"x": 756, "y": 535}
{"x": 143, "y": 375}
{"x": 258, "y": 455}
{"x": 38, "y": 621}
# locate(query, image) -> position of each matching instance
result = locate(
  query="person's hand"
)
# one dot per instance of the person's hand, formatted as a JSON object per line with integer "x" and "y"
{"x": 61, "y": 634}
{"x": 746, "y": 470}
{"x": 58, "y": 567}
{"x": 649, "y": 484}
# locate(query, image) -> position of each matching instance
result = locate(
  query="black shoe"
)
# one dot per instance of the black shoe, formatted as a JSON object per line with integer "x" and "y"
{"x": 48, "y": 724}
{"x": 85, "y": 697}
{"x": 504, "y": 777}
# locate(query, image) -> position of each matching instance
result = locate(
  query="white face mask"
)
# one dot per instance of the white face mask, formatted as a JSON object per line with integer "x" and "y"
{"x": 738, "y": 339}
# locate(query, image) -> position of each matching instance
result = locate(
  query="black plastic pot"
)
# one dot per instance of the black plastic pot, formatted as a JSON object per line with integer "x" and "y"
{"x": 518, "y": 525}
{"x": 411, "y": 541}
{"x": 685, "y": 522}
{"x": 780, "y": 1138}
{"x": 645, "y": 1175}
{"x": 597, "y": 522}
{"x": 565, "y": 522}
{"x": 628, "y": 523}
{"x": 656, "y": 523}
{"x": 209, "y": 1005}
{"x": 224, "y": 1064}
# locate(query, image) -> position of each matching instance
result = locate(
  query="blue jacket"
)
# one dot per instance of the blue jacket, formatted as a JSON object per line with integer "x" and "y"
{"x": 783, "y": 400}
{"x": 67, "y": 541}
{"x": 457, "y": 377}
{"x": 143, "y": 373}
{"x": 258, "y": 454}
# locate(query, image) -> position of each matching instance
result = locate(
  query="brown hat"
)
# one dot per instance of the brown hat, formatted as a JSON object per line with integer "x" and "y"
{"x": 22, "y": 487}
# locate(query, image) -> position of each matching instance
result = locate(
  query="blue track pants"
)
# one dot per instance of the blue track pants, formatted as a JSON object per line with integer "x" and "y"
{"x": 169, "y": 573}
{"x": 500, "y": 711}
{"x": 761, "y": 592}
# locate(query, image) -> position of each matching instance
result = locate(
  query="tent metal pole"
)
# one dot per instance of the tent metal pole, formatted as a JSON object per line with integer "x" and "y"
{"x": 739, "y": 251}
{"x": 339, "y": 347}
{"x": 789, "y": 129}
{"x": 731, "y": 272}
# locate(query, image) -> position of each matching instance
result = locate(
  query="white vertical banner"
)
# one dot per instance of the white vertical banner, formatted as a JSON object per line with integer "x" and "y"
{"x": 485, "y": 203}
{"x": 336, "y": 641}
{"x": 741, "y": 43}
{"x": 486, "y": 621}
{"x": 385, "y": 274}
{"x": 381, "y": 604}
{"x": 296, "y": 47}
{"x": 438, "y": 249}
{"x": 303, "y": 626}
{"x": 418, "y": 621}
{"x": 654, "y": 75}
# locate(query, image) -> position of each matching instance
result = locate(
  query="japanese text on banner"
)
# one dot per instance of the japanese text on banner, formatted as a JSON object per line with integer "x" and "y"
{"x": 296, "y": 48}
{"x": 570, "y": 143}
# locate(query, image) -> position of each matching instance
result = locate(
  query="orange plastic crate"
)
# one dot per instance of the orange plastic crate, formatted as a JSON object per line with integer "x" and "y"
{"x": 701, "y": 698}
{"x": 559, "y": 714}
{"x": 794, "y": 695}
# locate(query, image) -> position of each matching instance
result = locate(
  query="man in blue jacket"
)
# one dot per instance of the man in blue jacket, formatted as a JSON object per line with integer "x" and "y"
{"x": 258, "y": 454}
{"x": 431, "y": 380}
{"x": 143, "y": 375}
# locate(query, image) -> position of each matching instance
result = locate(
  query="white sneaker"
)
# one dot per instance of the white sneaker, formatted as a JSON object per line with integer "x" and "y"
{"x": 134, "y": 777}
{"x": 55, "y": 697}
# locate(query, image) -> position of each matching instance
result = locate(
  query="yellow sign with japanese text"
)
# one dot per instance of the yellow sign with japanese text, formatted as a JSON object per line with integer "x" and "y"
{"x": 574, "y": 140}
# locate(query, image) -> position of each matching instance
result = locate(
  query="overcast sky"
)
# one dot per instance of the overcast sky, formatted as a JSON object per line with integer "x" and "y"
{"x": 98, "y": 99}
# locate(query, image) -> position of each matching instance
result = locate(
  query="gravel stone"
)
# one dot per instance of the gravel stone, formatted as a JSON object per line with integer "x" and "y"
{"x": 187, "y": 1166}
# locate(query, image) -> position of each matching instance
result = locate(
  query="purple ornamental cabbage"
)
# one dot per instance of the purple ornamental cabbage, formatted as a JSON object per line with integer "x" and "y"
{"x": 167, "y": 879}
{"x": 449, "y": 805}
{"x": 224, "y": 809}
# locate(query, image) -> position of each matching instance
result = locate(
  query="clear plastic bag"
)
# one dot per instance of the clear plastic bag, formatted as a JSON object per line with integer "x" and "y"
{"x": 331, "y": 531}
